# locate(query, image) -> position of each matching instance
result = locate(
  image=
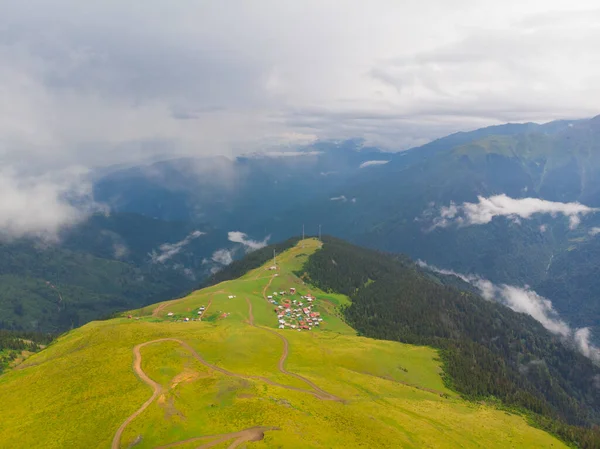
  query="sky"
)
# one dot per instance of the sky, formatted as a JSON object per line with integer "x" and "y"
{"x": 94, "y": 83}
{"x": 90, "y": 84}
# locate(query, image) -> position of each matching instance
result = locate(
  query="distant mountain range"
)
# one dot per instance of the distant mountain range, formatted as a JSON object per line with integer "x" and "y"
{"x": 455, "y": 203}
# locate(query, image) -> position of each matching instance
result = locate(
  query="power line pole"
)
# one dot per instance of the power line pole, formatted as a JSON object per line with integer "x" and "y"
{"x": 319, "y": 232}
{"x": 302, "y": 236}
{"x": 274, "y": 260}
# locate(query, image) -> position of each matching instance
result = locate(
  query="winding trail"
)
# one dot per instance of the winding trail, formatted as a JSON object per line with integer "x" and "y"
{"x": 322, "y": 394}
{"x": 157, "y": 388}
{"x": 165, "y": 304}
{"x": 264, "y": 293}
{"x": 206, "y": 308}
{"x": 243, "y": 436}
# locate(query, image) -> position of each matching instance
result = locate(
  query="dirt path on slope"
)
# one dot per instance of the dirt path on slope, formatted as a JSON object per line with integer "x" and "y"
{"x": 266, "y": 287}
{"x": 281, "y": 366}
{"x": 164, "y": 305}
{"x": 206, "y": 308}
{"x": 160, "y": 308}
{"x": 243, "y": 436}
{"x": 157, "y": 388}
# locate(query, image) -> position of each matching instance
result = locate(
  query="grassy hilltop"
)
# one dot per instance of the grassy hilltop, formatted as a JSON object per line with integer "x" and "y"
{"x": 234, "y": 379}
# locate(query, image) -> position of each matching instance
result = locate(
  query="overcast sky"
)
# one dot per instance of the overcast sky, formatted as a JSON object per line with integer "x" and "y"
{"x": 101, "y": 82}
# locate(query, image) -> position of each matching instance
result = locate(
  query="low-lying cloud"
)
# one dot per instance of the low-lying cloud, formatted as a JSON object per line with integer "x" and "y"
{"x": 525, "y": 300}
{"x": 168, "y": 250}
{"x": 249, "y": 244}
{"x": 371, "y": 163}
{"x": 486, "y": 209}
{"x": 341, "y": 198}
{"x": 594, "y": 231}
{"x": 120, "y": 251}
{"x": 40, "y": 206}
{"x": 222, "y": 256}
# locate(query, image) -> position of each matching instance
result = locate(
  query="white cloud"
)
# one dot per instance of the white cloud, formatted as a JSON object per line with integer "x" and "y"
{"x": 529, "y": 302}
{"x": 341, "y": 198}
{"x": 594, "y": 231}
{"x": 543, "y": 228}
{"x": 75, "y": 80}
{"x": 486, "y": 209}
{"x": 582, "y": 339}
{"x": 525, "y": 300}
{"x": 40, "y": 206}
{"x": 371, "y": 163}
{"x": 120, "y": 251}
{"x": 251, "y": 245}
{"x": 168, "y": 250}
{"x": 222, "y": 256}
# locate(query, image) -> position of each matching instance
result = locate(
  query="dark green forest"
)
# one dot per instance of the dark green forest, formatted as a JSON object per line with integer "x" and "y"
{"x": 12, "y": 343}
{"x": 488, "y": 351}
{"x": 52, "y": 289}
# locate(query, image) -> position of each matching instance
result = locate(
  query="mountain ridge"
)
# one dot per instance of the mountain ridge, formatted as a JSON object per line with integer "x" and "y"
{"x": 215, "y": 379}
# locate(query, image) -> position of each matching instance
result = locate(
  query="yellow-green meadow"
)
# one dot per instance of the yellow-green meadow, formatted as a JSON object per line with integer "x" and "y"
{"x": 225, "y": 379}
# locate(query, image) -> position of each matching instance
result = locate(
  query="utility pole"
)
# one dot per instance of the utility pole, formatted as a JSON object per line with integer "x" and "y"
{"x": 302, "y": 236}
{"x": 319, "y": 232}
{"x": 274, "y": 260}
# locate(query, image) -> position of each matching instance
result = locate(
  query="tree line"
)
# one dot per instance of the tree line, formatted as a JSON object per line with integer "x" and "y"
{"x": 12, "y": 343}
{"x": 488, "y": 351}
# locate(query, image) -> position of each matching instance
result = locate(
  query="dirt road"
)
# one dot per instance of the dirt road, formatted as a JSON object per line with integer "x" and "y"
{"x": 157, "y": 389}
{"x": 243, "y": 436}
{"x": 206, "y": 308}
{"x": 322, "y": 394}
{"x": 164, "y": 305}
{"x": 266, "y": 287}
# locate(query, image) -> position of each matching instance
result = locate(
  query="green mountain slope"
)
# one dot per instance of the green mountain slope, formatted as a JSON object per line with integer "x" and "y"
{"x": 234, "y": 378}
{"x": 489, "y": 351}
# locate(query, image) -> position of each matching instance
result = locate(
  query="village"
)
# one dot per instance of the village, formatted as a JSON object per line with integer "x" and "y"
{"x": 300, "y": 314}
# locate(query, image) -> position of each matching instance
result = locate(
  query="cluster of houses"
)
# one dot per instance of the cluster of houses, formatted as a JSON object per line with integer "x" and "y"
{"x": 300, "y": 314}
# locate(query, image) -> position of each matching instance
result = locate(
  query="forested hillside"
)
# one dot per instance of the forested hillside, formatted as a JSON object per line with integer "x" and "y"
{"x": 13, "y": 344}
{"x": 488, "y": 350}
{"x": 103, "y": 265}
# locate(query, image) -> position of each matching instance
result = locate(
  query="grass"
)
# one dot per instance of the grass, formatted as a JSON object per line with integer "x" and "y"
{"x": 79, "y": 390}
